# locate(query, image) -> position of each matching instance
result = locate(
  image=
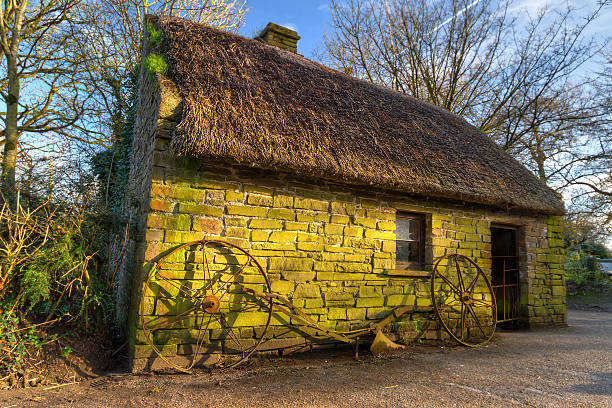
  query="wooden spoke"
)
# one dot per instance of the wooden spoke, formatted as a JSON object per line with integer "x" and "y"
{"x": 228, "y": 329}
{"x": 205, "y": 309}
{"x": 459, "y": 276}
{"x": 483, "y": 313}
{"x": 469, "y": 307}
{"x": 232, "y": 279}
{"x": 483, "y": 303}
{"x": 462, "y": 320}
{"x": 449, "y": 283}
{"x": 163, "y": 322}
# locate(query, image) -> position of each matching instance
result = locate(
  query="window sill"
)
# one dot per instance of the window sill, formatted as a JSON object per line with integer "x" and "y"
{"x": 408, "y": 273}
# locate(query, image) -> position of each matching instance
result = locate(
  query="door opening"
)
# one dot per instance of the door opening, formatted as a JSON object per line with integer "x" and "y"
{"x": 505, "y": 272}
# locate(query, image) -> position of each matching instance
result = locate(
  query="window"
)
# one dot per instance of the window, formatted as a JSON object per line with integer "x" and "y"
{"x": 410, "y": 241}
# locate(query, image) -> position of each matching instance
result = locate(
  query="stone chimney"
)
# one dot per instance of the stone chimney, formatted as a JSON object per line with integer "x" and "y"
{"x": 280, "y": 37}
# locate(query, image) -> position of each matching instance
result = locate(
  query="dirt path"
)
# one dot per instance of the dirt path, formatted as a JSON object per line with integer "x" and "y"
{"x": 570, "y": 367}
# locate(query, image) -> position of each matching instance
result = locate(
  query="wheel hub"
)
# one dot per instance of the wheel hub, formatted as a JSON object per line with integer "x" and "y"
{"x": 465, "y": 298}
{"x": 210, "y": 304}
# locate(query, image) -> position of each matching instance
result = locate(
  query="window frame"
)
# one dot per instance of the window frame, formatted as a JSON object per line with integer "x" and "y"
{"x": 411, "y": 265}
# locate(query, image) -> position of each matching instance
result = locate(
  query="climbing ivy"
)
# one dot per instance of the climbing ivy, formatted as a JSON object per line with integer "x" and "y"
{"x": 112, "y": 166}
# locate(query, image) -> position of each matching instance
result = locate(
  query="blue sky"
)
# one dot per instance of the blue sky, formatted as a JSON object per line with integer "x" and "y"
{"x": 311, "y": 17}
{"x": 308, "y": 18}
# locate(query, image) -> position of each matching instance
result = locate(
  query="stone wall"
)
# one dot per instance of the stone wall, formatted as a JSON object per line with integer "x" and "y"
{"x": 154, "y": 122}
{"x": 328, "y": 247}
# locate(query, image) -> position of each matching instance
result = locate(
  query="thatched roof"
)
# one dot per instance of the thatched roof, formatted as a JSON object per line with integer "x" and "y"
{"x": 253, "y": 104}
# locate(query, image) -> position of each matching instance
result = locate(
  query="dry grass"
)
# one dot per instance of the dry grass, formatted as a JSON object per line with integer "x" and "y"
{"x": 253, "y": 104}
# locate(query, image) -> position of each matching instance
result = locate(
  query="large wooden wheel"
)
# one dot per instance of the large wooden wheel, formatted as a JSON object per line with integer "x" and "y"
{"x": 199, "y": 305}
{"x": 463, "y": 300}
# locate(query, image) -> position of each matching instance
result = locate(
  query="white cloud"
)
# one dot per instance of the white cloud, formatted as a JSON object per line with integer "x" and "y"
{"x": 323, "y": 7}
{"x": 532, "y": 7}
{"x": 290, "y": 26}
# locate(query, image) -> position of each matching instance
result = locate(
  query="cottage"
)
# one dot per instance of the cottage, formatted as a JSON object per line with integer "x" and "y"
{"x": 345, "y": 193}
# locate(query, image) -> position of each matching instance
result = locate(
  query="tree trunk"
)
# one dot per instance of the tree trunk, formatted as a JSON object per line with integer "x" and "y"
{"x": 11, "y": 132}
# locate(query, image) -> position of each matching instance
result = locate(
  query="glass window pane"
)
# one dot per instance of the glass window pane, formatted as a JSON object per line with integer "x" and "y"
{"x": 407, "y": 251}
{"x": 407, "y": 228}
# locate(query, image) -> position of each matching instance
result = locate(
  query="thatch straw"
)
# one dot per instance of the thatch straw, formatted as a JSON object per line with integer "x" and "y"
{"x": 253, "y": 104}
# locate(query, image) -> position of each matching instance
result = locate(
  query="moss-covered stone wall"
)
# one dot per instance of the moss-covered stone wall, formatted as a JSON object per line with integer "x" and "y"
{"x": 327, "y": 247}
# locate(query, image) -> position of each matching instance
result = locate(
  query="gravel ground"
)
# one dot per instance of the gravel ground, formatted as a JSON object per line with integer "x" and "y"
{"x": 568, "y": 367}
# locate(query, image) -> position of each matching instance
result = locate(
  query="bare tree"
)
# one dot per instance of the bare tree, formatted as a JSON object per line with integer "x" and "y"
{"x": 469, "y": 57}
{"x": 115, "y": 40}
{"x": 516, "y": 78}
{"x": 41, "y": 77}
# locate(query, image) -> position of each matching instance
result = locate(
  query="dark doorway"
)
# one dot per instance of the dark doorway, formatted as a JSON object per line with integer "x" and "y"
{"x": 505, "y": 272}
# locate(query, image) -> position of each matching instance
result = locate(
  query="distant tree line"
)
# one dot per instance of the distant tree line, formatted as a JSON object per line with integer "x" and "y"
{"x": 519, "y": 77}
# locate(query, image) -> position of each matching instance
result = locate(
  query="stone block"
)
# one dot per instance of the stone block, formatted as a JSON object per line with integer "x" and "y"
{"x": 154, "y": 235}
{"x": 388, "y": 246}
{"x": 260, "y": 200}
{"x": 339, "y": 219}
{"x": 257, "y": 189}
{"x": 247, "y": 211}
{"x": 178, "y": 192}
{"x": 306, "y": 237}
{"x": 365, "y": 222}
{"x": 259, "y": 236}
{"x": 181, "y": 222}
{"x": 234, "y": 196}
{"x": 356, "y": 258}
{"x": 338, "y": 207}
{"x": 384, "y": 263}
{"x": 316, "y": 303}
{"x": 310, "y": 246}
{"x": 181, "y": 236}
{"x": 333, "y": 229}
{"x": 156, "y": 363}
{"x": 376, "y": 234}
{"x": 424, "y": 300}
{"x": 558, "y": 291}
{"x": 282, "y": 200}
{"x": 310, "y": 204}
{"x": 400, "y": 300}
{"x": 291, "y": 264}
{"x": 161, "y": 205}
{"x": 302, "y": 217}
{"x": 363, "y": 243}
{"x": 207, "y": 225}
{"x": 386, "y": 225}
{"x": 353, "y": 267}
{"x": 282, "y": 287}
{"x": 381, "y": 215}
{"x": 246, "y": 319}
{"x": 295, "y": 276}
{"x": 377, "y": 313}
{"x": 353, "y": 231}
{"x": 336, "y": 313}
{"x": 356, "y": 314}
{"x": 336, "y": 296}
{"x": 282, "y": 236}
{"x": 370, "y": 292}
{"x": 237, "y": 232}
{"x": 296, "y": 226}
{"x": 265, "y": 224}
{"x": 307, "y": 290}
{"x": 370, "y": 302}
{"x": 324, "y": 266}
{"x": 282, "y": 214}
{"x": 273, "y": 246}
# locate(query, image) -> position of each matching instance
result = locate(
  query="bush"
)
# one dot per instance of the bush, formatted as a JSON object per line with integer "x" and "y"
{"x": 48, "y": 263}
{"x": 20, "y": 348}
{"x": 583, "y": 268}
